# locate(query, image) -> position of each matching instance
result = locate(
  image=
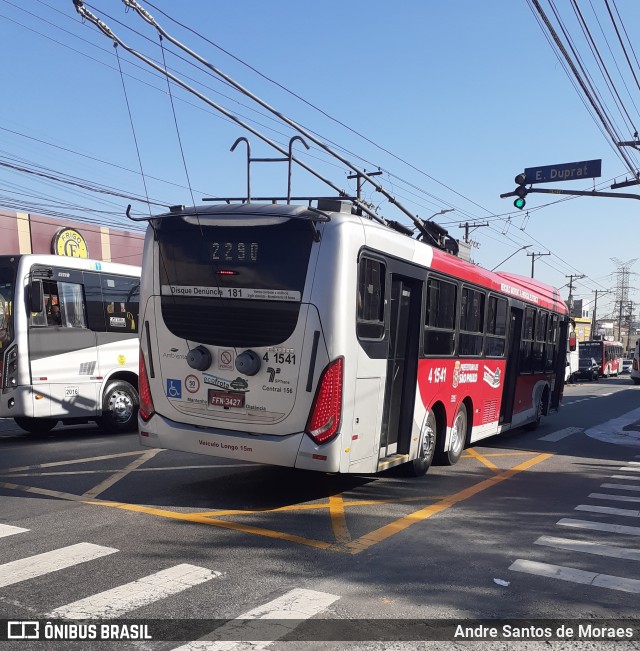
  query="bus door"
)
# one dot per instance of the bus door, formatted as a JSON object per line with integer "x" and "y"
{"x": 62, "y": 349}
{"x": 558, "y": 386}
{"x": 513, "y": 365}
{"x": 402, "y": 365}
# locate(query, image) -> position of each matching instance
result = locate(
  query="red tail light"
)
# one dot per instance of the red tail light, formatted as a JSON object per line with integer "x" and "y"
{"x": 146, "y": 403}
{"x": 326, "y": 411}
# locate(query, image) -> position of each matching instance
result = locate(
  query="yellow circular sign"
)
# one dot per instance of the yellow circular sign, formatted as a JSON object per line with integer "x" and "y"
{"x": 69, "y": 242}
{"x": 122, "y": 360}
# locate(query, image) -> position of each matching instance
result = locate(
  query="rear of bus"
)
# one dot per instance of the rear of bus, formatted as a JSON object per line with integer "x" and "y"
{"x": 234, "y": 361}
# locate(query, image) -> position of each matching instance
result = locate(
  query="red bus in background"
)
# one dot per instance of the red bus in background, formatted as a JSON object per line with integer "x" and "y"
{"x": 608, "y": 354}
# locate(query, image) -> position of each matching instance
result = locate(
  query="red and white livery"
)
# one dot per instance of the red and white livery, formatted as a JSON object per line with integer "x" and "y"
{"x": 316, "y": 338}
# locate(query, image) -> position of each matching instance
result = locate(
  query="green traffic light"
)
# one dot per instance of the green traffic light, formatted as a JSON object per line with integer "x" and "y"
{"x": 519, "y": 203}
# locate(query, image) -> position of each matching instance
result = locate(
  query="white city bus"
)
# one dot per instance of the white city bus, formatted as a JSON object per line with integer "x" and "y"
{"x": 316, "y": 338}
{"x": 68, "y": 341}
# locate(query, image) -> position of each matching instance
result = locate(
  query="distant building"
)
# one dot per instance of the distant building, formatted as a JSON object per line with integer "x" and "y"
{"x": 27, "y": 233}
{"x": 582, "y": 328}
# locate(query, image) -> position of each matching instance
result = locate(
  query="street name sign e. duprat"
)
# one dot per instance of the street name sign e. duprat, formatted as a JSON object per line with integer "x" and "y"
{"x": 586, "y": 169}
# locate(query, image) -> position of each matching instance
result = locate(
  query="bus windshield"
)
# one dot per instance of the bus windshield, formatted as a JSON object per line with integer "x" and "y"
{"x": 7, "y": 285}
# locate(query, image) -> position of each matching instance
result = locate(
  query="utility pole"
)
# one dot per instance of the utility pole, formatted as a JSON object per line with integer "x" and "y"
{"x": 533, "y": 259}
{"x": 571, "y": 278}
{"x": 467, "y": 226}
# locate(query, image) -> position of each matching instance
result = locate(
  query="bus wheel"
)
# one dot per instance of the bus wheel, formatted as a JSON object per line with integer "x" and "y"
{"x": 119, "y": 407}
{"x": 36, "y": 425}
{"x": 457, "y": 442}
{"x": 539, "y": 409}
{"x": 421, "y": 463}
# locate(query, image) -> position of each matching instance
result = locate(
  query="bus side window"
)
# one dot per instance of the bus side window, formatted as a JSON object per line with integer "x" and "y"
{"x": 121, "y": 295}
{"x": 526, "y": 348}
{"x": 471, "y": 323}
{"x": 72, "y": 308}
{"x": 370, "y": 305}
{"x": 539, "y": 345}
{"x": 496, "y": 327}
{"x": 440, "y": 326}
{"x": 50, "y": 315}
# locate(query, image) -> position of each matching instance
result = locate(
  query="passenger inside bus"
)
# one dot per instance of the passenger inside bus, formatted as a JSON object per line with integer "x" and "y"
{"x": 54, "y": 317}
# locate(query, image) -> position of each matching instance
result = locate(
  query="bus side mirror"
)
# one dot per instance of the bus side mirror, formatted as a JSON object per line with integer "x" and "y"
{"x": 36, "y": 296}
{"x": 572, "y": 341}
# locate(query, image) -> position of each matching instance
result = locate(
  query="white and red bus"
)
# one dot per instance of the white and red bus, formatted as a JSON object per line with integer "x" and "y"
{"x": 315, "y": 338}
{"x": 608, "y": 354}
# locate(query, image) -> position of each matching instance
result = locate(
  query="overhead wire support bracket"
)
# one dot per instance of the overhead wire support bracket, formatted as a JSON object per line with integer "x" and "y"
{"x": 578, "y": 193}
{"x": 145, "y": 15}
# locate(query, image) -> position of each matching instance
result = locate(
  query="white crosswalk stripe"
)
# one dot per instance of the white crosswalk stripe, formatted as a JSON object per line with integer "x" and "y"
{"x": 295, "y": 605}
{"x": 576, "y": 576}
{"x": 117, "y": 601}
{"x": 53, "y": 561}
{"x": 604, "y": 548}
{"x": 9, "y": 530}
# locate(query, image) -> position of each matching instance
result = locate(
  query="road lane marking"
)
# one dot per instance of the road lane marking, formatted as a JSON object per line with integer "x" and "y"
{"x": 338, "y": 520}
{"x": 625, "y": 469}
{"x": 588, "y": 547}
{"x": 110, "y": 470}
{"x": 482, "y": 459}
{"x": 561, "y": 434}
{"x": 613, "y": 430}
{"x": 58, "y": 559}
{"x": 120, "y": 474}
{"x": 577, "y": 576}
{"x": 268, "y": 620}
{"x": 69, "y": 462}
{"x": 224, "y": 524}
{"x": 621, "y": 486}
{"x": 627, "y": 477}
{"x": 609, "y": 510}
{"x": 599, "y": 526}
{"x": 117, "y": 601}
{"x": 9, "y": 530}
{"x": 617, "y": 498}
{"x": 43, "y": 491}
{"x": 374, "y": 537}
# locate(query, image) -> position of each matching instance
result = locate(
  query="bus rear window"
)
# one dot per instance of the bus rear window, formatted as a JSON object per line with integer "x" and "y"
{"x": 248, "y": 262}
{"x": 233, "y": 285}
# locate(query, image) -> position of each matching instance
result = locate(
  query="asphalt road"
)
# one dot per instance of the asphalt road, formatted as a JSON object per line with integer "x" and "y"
{"x": 532, "y": 525}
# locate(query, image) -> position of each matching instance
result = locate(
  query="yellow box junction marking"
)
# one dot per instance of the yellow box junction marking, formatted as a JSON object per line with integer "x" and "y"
{"x": 335, "y": 503}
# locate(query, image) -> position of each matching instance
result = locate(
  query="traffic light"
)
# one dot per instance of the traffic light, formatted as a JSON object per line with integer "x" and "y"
{"x": 521, "y": 191}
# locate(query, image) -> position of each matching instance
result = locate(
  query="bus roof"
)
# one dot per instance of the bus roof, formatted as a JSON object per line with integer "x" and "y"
{"x": 76, "y": 263}
{"x": 526, "y": 289}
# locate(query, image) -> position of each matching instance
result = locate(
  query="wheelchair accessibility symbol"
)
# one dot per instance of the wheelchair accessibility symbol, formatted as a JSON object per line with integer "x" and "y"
{"x": 174, "y": 388}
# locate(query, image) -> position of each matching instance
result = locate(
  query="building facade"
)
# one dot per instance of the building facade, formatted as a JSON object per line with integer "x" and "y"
{"x": 29, "y": 233}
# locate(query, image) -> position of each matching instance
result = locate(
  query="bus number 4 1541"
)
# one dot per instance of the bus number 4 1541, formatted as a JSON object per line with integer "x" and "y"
{"x": 437, "y": 375}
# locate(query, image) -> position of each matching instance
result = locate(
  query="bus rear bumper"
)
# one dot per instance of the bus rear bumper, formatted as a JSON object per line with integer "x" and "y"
{"x": 292, "y": 450}
{"x": 161, "y": 432}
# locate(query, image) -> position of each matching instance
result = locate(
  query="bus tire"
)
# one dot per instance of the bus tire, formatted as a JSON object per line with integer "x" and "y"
{"x": 119, "y": 407}
{"x": 539, "y": 409}
{"x": 636, "y": 380}
{"x": 458, "y": 439}
{"x": 419, "y": 466}
{"x": 36, "y": 425}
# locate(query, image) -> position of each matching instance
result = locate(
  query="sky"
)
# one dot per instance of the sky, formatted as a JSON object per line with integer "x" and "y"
{"x": 449, "y": 99}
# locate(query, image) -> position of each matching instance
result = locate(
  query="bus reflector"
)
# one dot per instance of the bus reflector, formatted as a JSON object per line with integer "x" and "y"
{"x": 324, "y": 419}
{"x": 145, "y": 408}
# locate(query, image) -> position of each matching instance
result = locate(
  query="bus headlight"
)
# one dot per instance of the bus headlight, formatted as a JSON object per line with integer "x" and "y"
{"x": 11, "y": 368}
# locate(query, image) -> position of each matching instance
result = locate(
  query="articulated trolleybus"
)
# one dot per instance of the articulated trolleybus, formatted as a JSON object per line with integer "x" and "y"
{"x": 68, "y": 341}
{"x": 315, "y": 338}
